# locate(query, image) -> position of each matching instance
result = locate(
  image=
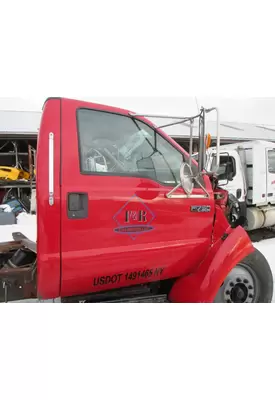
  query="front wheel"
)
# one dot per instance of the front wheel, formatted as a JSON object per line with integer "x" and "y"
{"x": 251, "y": 281}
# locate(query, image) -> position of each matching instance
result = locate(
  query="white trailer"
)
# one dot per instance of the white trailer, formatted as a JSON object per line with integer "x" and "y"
{"x": 247, "y": 171}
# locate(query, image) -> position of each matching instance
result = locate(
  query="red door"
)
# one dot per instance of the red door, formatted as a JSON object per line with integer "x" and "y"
{"x": 118, "y": 227}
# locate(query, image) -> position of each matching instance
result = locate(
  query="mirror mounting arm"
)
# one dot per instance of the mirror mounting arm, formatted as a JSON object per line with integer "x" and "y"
{"x": 201, "y": 186}
{"x": 187, "y": 196}
{"x": 169, "y": 194}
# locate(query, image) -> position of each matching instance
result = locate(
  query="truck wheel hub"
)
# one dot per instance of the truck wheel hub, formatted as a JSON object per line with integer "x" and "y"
{"x": 239, "y": 293}
{"x": 240, "y": 286}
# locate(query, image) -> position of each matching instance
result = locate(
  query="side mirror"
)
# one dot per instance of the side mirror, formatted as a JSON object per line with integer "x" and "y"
{"x": 230, "y": 176}
{"x": 186, "y": 178}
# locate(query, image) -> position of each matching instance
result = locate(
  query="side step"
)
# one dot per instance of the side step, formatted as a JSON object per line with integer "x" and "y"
{"x": 150, "y": 293}
{"x": 161, "y": 298}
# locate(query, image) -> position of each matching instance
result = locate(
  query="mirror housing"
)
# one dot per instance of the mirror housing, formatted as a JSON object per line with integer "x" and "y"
{"x": 230, "y": 176}
{"x": 186, "y": 178}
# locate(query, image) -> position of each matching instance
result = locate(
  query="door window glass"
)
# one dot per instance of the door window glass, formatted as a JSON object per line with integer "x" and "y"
{"x": 120, "y": 145}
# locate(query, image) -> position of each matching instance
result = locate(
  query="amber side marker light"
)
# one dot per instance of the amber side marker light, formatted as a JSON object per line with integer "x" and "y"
{"x": 208, "y": 140}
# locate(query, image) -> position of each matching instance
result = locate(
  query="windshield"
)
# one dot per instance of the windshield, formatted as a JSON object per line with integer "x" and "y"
{"x": 271, "y": 161}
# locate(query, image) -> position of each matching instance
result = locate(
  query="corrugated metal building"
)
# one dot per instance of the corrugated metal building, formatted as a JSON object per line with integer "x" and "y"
{"x": 19, "y": 123}
{"x": 229, "y": 132}
{"x": 26, "y": 123}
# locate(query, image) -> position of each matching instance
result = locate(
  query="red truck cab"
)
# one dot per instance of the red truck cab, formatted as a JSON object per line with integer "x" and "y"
{"x": 105, "y": 220}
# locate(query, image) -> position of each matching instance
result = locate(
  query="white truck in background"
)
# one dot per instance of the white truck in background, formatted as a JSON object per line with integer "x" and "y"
{"x": 247, "y": 172}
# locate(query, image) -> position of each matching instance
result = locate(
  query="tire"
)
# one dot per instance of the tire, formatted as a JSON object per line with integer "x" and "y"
{"x": 251, "y": 281}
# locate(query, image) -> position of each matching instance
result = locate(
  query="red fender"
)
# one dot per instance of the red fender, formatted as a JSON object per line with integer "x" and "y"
{"x": 203, "y": 285}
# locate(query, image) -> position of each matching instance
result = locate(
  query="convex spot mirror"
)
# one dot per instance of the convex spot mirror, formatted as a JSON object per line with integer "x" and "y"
{"x": 186, "y": 178}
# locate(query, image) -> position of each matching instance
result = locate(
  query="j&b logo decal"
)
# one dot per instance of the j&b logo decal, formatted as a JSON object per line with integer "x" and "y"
{"x": 134, "y": 218}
